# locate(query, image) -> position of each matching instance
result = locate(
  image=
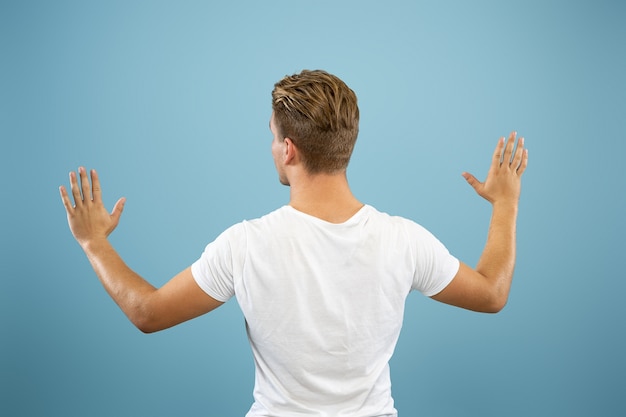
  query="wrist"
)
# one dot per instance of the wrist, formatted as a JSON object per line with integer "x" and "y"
{"x": 94, "y": 245}
{"x": 509, "y": 206}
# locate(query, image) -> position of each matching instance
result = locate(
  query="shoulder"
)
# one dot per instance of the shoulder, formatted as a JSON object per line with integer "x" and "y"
{"x": 269, "y": 220}
{"x": 394, "y": 221}
{"x": 398, "y": 231}
{"x": 240, "y": 232}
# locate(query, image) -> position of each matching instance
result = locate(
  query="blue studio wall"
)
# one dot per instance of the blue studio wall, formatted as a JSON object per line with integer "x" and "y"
{"x": 170, "y": 101}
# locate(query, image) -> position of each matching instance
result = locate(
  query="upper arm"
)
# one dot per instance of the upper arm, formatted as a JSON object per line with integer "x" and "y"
{"x": 179, "y": 300}
{"x": 471, "y": 290}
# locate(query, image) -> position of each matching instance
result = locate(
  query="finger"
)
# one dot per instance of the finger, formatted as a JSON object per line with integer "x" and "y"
{"x": 65, "y": 198}
{"x": 471, "y": 180}
{"x": 78, "y": 198}
{"x": 118, "y": 208}
{"x": 84, "y": 184}
{"x": 508, "y": 150}
{"x": 524, "y": 163}
{"x": 497, "y": 154}
{"x": 519, "y": 152}
{"x": 96, "y": 191}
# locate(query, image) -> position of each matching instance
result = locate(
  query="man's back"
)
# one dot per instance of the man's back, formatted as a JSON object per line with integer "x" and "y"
{"x": 323, "y": 304}
{"x": 323, "y": 301}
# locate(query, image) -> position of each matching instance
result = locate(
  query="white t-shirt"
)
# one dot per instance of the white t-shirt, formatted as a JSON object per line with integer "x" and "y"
{"x": 323, "y": 304}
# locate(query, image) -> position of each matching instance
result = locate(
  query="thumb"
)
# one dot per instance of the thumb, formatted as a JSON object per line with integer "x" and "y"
{"x": 117, "y": 210}
{"x": 471, "y": 180}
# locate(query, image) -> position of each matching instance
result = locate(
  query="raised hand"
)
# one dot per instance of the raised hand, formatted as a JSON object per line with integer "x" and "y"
{"x": 503, "y": 183}
{"x": 88, "y": 219}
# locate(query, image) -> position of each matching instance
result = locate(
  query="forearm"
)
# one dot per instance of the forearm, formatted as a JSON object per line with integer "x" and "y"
{"x": 147, "y": 308}
{"x": 129, "y": 290}
{"x": 497, "y": 261}
{"x": 486, "y": 287}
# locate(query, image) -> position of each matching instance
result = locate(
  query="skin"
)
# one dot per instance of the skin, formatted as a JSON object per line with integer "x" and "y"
{"x": 486, "y": 288}
{"x": 326, "y": 196}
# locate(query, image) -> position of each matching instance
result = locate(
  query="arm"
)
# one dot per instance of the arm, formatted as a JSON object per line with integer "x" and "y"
{"x": 486, "y": 288}
{"x": 148, "y": 308}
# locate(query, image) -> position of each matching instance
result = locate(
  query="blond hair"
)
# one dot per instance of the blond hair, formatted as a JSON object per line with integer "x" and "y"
{"x": 319, "y": 113}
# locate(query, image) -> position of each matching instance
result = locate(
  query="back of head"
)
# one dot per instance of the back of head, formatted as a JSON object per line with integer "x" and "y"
{"x": 319, "y": 113}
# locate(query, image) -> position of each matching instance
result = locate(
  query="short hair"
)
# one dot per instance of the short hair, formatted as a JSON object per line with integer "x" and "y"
{"x": 319, "y": 113}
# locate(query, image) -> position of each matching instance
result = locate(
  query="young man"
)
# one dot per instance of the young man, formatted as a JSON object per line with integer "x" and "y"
{"x": 322, "y": 281}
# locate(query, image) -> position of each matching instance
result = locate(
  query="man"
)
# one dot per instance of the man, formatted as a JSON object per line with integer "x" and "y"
{"x": 322, "y": 281}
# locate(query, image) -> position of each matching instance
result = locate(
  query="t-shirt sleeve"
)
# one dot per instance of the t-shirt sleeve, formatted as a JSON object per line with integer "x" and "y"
{"x": 435, "y": 267}
{"x": 213, "y": 271}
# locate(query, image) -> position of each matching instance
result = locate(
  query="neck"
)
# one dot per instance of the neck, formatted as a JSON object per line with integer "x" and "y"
{"x": 325, "y": 196}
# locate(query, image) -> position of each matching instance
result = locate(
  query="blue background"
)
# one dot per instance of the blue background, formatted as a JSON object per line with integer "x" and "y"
{"x": 170, "y": 101}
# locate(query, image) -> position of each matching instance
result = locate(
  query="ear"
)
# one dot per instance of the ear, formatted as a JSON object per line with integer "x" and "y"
{"x": 291, "y": 152}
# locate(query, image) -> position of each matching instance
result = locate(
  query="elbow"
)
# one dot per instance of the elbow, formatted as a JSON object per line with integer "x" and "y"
{"x": 148, "y": 324}
{"x": 145, "y": 329}
{"x": 145, "y": 321}
{"x": 493, "y": 309}
{"x": 496, "y": 305}
{"x": 142, "y": 324}
{"x": 496, "y": 298}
